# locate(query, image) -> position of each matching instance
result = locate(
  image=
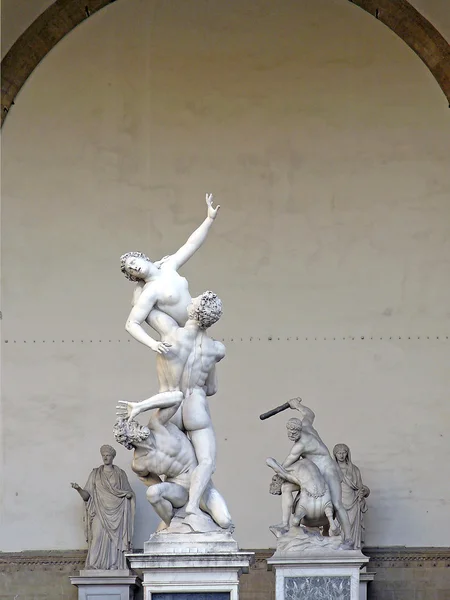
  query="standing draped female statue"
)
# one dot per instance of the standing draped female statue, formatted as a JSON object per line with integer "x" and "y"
{"x": 110, "y": 507}
{"x": 354, "y": 493}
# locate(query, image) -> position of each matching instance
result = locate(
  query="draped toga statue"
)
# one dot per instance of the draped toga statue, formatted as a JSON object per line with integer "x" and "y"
{"x": 109, "y": 520}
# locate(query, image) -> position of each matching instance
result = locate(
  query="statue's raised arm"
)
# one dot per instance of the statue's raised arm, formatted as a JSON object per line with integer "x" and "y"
{"x": 159, "y": 285}
{"x": 307, "y": 415}
{"x": 195, "y": 240}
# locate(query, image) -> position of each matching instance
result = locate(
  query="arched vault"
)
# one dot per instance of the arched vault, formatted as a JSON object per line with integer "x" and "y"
{"x": 64, "y": 15}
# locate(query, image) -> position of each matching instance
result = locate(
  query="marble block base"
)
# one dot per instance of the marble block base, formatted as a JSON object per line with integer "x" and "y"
{"x": 106, "y": 585}
{"x": 334, "y": 576}
{"x": 195, "y": 566}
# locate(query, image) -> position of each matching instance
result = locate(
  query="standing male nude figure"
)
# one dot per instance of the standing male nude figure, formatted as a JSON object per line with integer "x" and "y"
{"x": 189, "y": 366}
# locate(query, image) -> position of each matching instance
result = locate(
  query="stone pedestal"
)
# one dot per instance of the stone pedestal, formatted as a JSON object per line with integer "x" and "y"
{"x": 195, "y": 566}
{"x": 364, "y": 578}
{"x": 325, "y": 576}
{"x": 106, "y": 585}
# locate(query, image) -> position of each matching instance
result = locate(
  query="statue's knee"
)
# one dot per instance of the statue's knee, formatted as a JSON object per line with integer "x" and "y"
{"x": 154, "y": 494}
{"x": 177, "y": 396}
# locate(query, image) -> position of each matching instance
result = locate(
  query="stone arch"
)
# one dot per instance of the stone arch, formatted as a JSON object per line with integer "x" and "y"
{"x": 64, "y": 15}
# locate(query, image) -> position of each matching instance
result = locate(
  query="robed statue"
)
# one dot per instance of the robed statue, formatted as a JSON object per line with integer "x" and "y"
{"x": 109, "y": 520}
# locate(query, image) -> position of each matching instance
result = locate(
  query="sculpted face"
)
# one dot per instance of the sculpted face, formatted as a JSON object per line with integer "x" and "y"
{"x": 108, "y": 457}
{"x": 341, "y": 455}
{"x": 294, "y": 434}
{"x": 137, "y": 267}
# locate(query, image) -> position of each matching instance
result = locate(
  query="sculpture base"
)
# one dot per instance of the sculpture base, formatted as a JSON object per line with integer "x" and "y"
{"x": 365, "y": 577}
{"x": 194, "y": 566}
{"x": 324, "y": 576}
{"x": 106, "y": 585}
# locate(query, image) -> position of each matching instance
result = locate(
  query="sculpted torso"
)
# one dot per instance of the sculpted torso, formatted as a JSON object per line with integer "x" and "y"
{"x": 180, "y": 368}
{"x": 312, "y": 447}
{"x": 167, "y": 452}
{"x": 169, "y": 293}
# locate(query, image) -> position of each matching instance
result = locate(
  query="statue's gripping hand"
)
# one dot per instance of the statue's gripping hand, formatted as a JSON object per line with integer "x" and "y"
{"x": 295, "y": 403}
{"x": 75, "y": 486}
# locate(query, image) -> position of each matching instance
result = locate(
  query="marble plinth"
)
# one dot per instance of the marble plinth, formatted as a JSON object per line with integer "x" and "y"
{"x": 195, "y": 566}
{"x": 333, "y": 576}
{"x": 106, "y": 585}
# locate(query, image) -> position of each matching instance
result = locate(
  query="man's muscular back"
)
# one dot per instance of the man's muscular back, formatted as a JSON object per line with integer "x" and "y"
{"x": 204, "y": 355}
{"x": 316, "y": 451}
{"x": 191, "y": 357}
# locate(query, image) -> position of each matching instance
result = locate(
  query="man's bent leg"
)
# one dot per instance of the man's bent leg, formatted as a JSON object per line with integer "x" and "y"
{"x": 165, "y": 497}
{"x": 204, "y": 442}
{"x": 213, "y": 503}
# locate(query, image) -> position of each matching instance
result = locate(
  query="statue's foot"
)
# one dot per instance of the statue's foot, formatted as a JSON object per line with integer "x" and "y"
{"x": 347, "y": 544}
{"x": 193, "y": 510}
{"x": 279, "y": 529}
{"x": 162, "y": 526}
{"x": 335, "y": 531}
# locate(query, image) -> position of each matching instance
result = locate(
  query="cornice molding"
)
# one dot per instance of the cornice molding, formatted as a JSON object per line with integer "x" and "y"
{"x": 380, "y": 557}
{"x": 43, "y": 559}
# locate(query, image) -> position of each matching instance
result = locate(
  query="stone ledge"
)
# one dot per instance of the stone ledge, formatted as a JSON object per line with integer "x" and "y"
{"x": 408, "y": 557}
{"x": 43, "y": 558}
{"x": 381, "y": 557}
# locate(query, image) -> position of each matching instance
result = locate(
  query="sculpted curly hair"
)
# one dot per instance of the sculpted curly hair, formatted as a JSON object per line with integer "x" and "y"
{"x": 128, "y": 433}
{"x": 107, "y": 448}
{"x": 275, "y": 485}
{"x": 294, "y": 424}
{"x": 209, "y": 310}
{"x": 123, "y": 260}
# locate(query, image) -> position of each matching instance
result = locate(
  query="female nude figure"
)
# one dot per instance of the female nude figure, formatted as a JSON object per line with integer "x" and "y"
{"x": 160, "y": 285}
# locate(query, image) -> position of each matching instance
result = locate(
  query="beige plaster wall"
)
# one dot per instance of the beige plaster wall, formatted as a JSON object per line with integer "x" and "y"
{"x": 326, "y": 141}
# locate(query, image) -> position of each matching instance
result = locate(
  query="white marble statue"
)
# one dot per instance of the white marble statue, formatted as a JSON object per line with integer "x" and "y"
{"x": 186, "y": 356}
{"x": 312, "y": 496}
{"x": 110, "y": 507}
{"x": 160, "y": 286}
{"x": 189, "y": 366}
{"x": 309, "y": 445}
{"x": 354, "y": 492}
{"x": 164, "y": 459}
